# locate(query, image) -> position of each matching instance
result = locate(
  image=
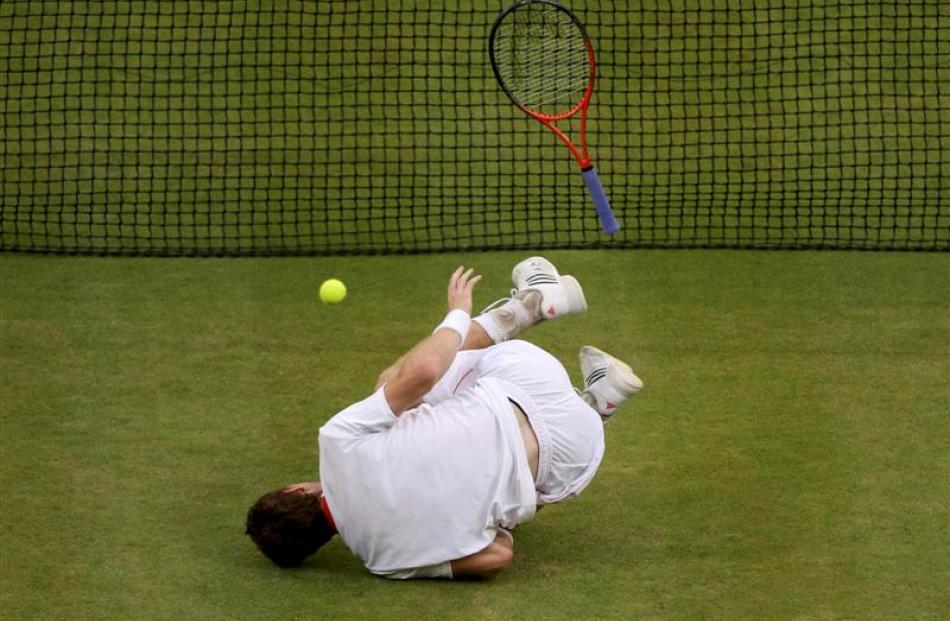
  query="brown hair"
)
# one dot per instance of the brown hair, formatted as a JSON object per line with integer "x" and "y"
{"x": 288, "y": 528}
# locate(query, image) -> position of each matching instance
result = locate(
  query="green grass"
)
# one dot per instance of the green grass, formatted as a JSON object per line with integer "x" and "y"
{"x": 787, "y": 459}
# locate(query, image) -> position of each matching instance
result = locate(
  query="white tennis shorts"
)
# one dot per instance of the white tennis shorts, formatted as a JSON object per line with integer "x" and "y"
{"x": 570, "y": 433}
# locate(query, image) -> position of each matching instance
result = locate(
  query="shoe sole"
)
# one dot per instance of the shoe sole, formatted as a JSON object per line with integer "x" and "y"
{"x": 626, "y": 381}
{"x": 623, "y": 380}
{"x": 573, "y": 299}
{"x": 576, "y": 302}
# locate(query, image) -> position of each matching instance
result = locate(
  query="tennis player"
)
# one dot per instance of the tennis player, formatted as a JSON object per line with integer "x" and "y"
{"x": 464, "y": 436}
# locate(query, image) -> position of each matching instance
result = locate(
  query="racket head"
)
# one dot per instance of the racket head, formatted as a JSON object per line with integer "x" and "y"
{"x": 543, "y": 59}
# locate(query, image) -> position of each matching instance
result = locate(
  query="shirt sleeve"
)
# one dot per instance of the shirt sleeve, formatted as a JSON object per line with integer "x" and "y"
{"x": 371, "y": 415}
{"x": 440, "y": 570}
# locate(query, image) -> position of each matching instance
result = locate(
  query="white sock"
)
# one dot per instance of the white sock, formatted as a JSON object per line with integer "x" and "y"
{"x": 511, "y": 318}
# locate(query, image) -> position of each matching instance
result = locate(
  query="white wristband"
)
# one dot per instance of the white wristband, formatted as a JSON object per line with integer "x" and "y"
{"x": 456, "y": 320}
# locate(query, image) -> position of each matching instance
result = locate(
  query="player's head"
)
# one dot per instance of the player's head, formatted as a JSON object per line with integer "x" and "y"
{"x": 288, "y": 526}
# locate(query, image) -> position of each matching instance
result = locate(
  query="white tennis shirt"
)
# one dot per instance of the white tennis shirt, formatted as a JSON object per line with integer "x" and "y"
{"x": 430, "y": 486}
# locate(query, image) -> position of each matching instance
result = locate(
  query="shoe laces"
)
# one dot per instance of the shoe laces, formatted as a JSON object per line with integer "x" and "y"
{"x": 499, "y": 302}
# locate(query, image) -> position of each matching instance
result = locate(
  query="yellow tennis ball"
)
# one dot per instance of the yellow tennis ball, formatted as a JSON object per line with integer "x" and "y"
{"x": 332, "y": 291}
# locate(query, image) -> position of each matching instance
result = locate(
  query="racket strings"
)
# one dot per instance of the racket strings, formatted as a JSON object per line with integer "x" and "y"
{"x": 546, "y": 73}
{"x": 543, "y": 60}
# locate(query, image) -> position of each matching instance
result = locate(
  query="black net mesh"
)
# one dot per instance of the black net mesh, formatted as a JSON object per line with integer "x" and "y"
{"x": 285, "y": 127}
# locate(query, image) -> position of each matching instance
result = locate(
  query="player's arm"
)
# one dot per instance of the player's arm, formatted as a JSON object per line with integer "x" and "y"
{"x": 423, "y": 365}
{"x": 390, "y": 373}
{"x": 487, "y": 562}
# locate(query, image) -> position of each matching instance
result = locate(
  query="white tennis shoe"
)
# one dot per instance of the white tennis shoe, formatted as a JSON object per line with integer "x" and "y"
{"x": 607, "y": 380}
{"x": 560, "y": 295}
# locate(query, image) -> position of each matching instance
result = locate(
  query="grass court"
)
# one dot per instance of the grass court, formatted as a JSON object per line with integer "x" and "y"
{"x": 787, "y": 458}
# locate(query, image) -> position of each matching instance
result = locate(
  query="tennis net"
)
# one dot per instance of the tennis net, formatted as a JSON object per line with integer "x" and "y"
{"x": 256, "y": 128}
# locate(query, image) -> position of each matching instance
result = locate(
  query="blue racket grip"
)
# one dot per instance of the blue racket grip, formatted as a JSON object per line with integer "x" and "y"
{"x": 596, "y": 190}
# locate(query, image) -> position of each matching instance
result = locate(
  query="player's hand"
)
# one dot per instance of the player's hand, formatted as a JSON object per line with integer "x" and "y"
{"x": 460, "y": 289}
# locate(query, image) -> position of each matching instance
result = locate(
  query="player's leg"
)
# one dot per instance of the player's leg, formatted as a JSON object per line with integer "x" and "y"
{"x": 608, "y": 382}
{"x": 477, "y": 337}
{"x": 540, "y": 293}
{"x": 569, "y": 424}
{"x": 570, "y": 433}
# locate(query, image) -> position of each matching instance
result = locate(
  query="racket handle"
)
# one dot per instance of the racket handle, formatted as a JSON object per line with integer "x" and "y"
{"x": 597, "y": 194}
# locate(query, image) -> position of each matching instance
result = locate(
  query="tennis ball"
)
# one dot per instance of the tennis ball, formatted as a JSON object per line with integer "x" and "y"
{"x": 332, "y": 291}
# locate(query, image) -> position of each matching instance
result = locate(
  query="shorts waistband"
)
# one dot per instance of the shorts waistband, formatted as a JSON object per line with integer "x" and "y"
{"x": 530, "y": 409}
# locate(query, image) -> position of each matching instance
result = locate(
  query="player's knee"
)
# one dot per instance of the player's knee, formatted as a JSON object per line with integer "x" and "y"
{"x": 502, "y": 558}
{"x": 506, "y": 556}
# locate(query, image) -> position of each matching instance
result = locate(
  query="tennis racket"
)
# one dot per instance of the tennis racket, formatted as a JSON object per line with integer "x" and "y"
{"x": 544, "y": 61}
